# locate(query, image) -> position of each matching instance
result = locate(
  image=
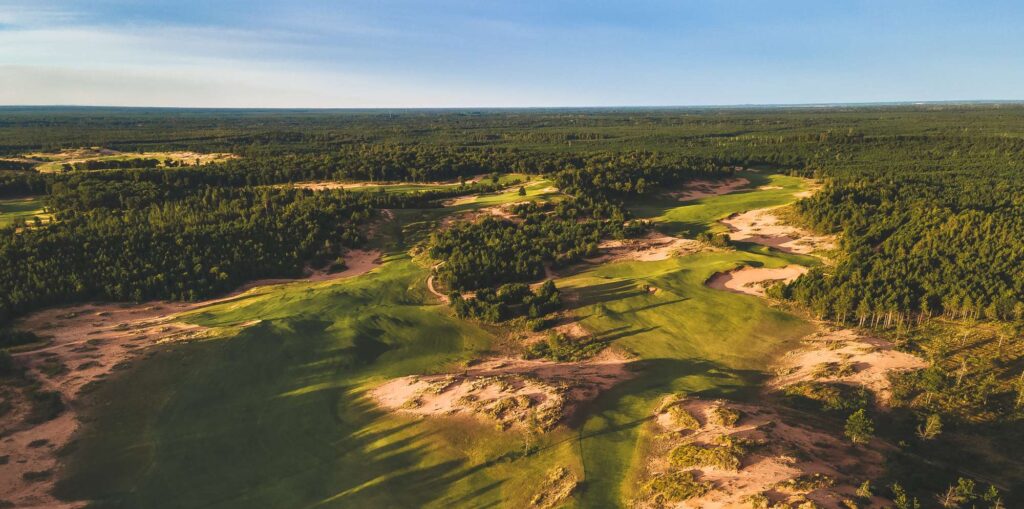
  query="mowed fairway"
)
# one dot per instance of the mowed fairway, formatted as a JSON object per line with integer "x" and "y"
{"x": 16, "y": 209}
{"x": 691, "y": 339}
{"x": 275, "y": 416}
{"x": 689, "y": 218}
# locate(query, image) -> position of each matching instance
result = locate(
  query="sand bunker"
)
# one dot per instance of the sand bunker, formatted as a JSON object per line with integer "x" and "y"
{"x": 698, "y": 189}
{"x": 653, "y": 247}
{"x": 763, "y": 227}
{"x": 85, "y": 343}
{"x": 510, "y": 392}
{"x": 846, "y": 356}
{"x": 754, "y": 280}
{"x": 772, "y": 456}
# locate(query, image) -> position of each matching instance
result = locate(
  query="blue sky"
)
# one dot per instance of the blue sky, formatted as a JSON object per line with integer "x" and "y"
{"x": 451, "y": 53}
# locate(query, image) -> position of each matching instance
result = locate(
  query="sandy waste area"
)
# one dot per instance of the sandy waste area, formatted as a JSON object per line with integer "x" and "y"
{"x": 761, "y": 226}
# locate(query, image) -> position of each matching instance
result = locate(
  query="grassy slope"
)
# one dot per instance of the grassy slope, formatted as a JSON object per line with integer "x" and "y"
{"x": 273, "y": 417}
{"x": 20, "y": 208}
{"x": 698, "y": 216}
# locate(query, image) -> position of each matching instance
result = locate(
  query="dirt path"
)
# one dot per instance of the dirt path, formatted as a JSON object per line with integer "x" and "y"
{"x": 439, "y": 295}
{"x": 86, "y": 343}
{"x": 753, "y": 280}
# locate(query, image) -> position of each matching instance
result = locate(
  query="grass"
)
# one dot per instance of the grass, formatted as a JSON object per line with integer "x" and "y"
{"x": 276, "y": 415}
{"x": 17, "y": 209}
{"x": 690, "y": 338}
{"x": 693, "y": 217}
{"x": 535, "y": 190}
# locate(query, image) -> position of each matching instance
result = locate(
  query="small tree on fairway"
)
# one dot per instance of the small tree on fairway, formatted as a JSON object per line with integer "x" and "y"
{"x": 859, "y": 427}
{"x": 522, "y": 191}
{"x": 931, "y": 428}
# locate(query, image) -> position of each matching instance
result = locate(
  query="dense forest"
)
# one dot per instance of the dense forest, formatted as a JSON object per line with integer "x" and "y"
{"x": 926, "y": 196}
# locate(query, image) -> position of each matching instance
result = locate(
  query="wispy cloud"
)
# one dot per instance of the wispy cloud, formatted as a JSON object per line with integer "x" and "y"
{"x": 476, "y": 53}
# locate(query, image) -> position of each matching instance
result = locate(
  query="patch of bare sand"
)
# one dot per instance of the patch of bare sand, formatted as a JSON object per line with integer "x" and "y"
{"x": 698, "y": 189}
{"x": 763, "y": 227}
{"x": 812, "y": 188}
{"x": 85, "y": 343}
{"x": 782, "y": 455}
{"x": 328, "y": 185}
{"x": 754, "y": 280}
{"x": 461, "y": 200}
{"x": 846, "y": 356}
{"x": 653, "y": 247}
{"x": 510, "y": 392}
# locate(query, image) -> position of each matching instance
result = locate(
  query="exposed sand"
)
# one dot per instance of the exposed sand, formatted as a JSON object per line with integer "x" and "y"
{"x": 91, "y": 340}
{"x": 866, "y": 361}
{"x": 461, "y": 200}
{"x": 753, "y": 280}
{"x": 698, "y": 189}
{"x": 788, "y": 450}
{"x": 51, "y": 161}
{"x": 653, "y": 247}
{"x": 761, "y": 226}
{"x": 508, "y": 391}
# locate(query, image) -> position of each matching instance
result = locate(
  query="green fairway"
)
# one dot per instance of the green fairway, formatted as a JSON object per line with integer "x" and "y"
{"x": 690, "y": 338}
{"x": 275, "y": 416}
{"x": 16, "y": 209}
{"x": 692, "y": 217}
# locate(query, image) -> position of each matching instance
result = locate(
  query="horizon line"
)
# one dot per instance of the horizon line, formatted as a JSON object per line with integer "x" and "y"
{"x": 950, "y": 102}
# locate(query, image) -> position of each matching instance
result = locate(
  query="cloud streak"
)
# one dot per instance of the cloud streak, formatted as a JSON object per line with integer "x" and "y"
{"x": 266, "y": 53}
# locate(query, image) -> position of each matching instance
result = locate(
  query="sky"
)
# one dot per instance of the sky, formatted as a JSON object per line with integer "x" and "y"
{"x": 510, "y": 53}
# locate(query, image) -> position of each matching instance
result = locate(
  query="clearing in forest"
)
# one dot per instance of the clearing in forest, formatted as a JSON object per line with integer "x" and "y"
{"x": 14, "y": 210}
{"x": 99, "y": 157}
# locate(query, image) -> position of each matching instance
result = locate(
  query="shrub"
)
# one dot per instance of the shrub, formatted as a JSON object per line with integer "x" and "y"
{"x": 11, "y": 337}
{"x": 831, "y": 397}
{"x": 724, "y": 416}
{"x": 46, "y": 406}
{"x": 859, "y": 427}
{"x": 561, "y": 348}
{"x": 726, "y": 456}
{"x": 672, "y": 487}
{"x": 683, "y": 419}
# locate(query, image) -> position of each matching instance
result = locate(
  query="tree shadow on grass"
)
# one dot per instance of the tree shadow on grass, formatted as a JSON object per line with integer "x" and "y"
{"x": 614, "y": 290}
